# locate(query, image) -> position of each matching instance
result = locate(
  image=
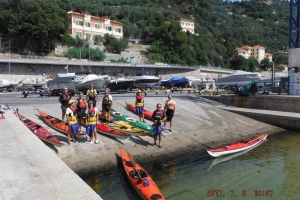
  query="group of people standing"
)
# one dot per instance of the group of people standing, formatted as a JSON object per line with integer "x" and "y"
{"x": 159, "y": 116}
{"x": 84, "y": 111}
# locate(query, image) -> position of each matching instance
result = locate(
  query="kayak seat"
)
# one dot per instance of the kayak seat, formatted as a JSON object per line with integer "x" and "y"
{"x": 26, "y": 121}
{"x": 117, "y": 113}
{"x": 156, "y": 196}
{"x": 134, "y": 174}
{"x": 56, "y": 121}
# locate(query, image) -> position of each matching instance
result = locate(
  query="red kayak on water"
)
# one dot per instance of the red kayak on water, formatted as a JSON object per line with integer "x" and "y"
{"x": 106, "y": 130}
{"x": 237, "y": 147}
{"x": 147, "y": 113}
{"x": 39, "y": 131}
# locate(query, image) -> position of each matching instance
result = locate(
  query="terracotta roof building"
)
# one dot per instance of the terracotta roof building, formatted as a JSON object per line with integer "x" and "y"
{"x": 257, "y": 52}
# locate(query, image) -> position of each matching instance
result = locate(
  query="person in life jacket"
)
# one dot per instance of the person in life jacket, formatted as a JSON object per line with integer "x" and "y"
{"x": 170, "y": 107}
{"x": 72, "y": 121}
{"x": 139, "y": 105}
{"x": 81, "y": 107}
{"x": 159, "y": 117}
{"x": 91, "y": 94}
{"x": 107, "y": 105}
{"x": 91, "y": 122}
{"x": 64, "y": 99}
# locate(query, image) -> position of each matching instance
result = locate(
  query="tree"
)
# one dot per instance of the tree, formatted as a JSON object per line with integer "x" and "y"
{"x": 114, "y": 45}
{"x": 32, "y": 19}
{"x": 237, "y": 62}
{"x": 265, "y": 64}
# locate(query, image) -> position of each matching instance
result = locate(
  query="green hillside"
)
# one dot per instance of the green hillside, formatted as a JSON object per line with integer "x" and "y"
{"x": 220, "y": 27}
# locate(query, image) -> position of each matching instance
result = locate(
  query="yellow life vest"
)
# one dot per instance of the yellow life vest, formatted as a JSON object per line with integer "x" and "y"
{"x": 92, "y": 93}
{"x": 91, "y": 116}
{"x": 72, "y": 120}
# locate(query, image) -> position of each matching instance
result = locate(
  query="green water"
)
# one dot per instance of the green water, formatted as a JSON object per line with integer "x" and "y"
{"x": 270, "y": 171}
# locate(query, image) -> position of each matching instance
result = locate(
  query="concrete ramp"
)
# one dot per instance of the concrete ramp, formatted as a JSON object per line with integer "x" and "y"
{"x": 30, "y": 170}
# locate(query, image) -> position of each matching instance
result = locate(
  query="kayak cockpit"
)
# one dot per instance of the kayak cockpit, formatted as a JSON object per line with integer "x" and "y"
{"x": 135, "y": 174}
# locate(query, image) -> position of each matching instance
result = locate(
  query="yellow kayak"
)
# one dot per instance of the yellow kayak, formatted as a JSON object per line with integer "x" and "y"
{"x": 124, "y": 127}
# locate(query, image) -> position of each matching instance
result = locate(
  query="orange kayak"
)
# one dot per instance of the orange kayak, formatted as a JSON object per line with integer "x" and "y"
{"x": 147, "y": 113}
{"x": 139, "y": 178}
{"x": 56, "y": 123}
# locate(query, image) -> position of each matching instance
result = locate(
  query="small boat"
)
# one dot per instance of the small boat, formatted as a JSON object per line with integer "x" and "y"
{"x": 236, "y": 147}
{"x": 59, "y": 82}
{"x": 176, "y": 82}
{"x": 98, "y": 81}
{"x": 147, "y": 113}
{"x": 39, "y": 130}
{"x": 120, "y": 83}
{"x": 131, "y": 121}
{"x": 123, "y": 127}
{"x": 225, "y": 158}
{"x": 140, "y": 179}
{"x": 56, "y": 123}
{"x": 237, "y": 77}
{"x": 145, "y": 80}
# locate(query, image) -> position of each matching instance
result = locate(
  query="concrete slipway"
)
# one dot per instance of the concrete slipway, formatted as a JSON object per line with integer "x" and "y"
{"x": 198, "y": 124}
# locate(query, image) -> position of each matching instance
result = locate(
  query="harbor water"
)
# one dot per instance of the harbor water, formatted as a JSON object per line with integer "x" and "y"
{"x": 269, "y": 171}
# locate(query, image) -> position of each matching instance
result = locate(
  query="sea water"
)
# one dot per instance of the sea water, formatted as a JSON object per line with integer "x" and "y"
{"x": 269, "y": 171}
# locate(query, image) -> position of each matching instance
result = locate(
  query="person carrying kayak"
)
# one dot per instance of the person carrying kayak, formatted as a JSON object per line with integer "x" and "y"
{"x": 107, "y": 105}
{"x": 72, "y": 121}
{"x": 64, "y": 99}
{"x": 91, "y": 94}
{"x": 91, "y": 122}
{"x": 170, "y": 107}
{"x": 81, "y": 107}
{"x": 159, "y": 117}
{"x": 139, "y": 105}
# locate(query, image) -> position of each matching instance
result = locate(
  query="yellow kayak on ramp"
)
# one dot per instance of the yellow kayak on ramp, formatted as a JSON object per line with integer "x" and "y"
{"x": 124, "y": 127}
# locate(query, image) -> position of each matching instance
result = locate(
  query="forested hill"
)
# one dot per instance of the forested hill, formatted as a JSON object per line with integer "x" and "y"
{"x": 221, "y": 25}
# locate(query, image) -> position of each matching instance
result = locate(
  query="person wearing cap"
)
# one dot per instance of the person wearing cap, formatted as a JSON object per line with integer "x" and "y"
{"x": 139, "y": 105}
{"x": 72, "y": 121}
{"x": 81, "y": 107}
{"x": 64, "y": 98}
{"x": 91, "y": 122}
{"x": 158, "y": 117}
{"x": 107, "y": 105}
{"x": 91, "y": 94}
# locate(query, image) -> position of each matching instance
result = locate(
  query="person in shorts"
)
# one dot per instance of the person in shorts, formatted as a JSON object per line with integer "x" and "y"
{"x": 64, "y": 99}
{"x": 139, "y": 105}
{"x": 72, "y": 121}
{"x": 159, "y": 117}
{"x": 91, "y": 94}
{"x": 107, "y": 105}
{"x": 91, "y": 122}
{"x": 81, "y": 107}
{"x": 170, "y": 107}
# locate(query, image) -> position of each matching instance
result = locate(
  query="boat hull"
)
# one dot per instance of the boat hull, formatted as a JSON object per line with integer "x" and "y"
{"x": 120, "y": 85}
{"x": 145, "y": 81}
{"x": 236, "y": 147}
{"x": 39, "y": 131}
{"x": 56, "y": 123}
{"x": 134, "y": 172}
{"x": 147, "y": 113}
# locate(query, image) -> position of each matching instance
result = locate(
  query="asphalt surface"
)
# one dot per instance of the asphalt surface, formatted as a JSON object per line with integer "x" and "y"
{"x": 198, "y": 123}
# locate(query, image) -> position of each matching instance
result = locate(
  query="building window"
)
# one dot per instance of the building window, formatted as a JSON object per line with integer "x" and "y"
{"x": 108, "y": 28}
{"x": 186, "y": 24}
{"x": 87, "y": 24}
{"x": 88, "y": 35}
{"x": 97, "y": 26}
{"x": 118, "y": 30}
{"x": 79, "y": 23}
{"x": 182, "y": 23}
{"x": 192, "y": 25}
{"x": 79, "y": 34}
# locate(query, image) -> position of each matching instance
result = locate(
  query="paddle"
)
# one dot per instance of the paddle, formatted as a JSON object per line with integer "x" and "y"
{"x": 133, "y": 163}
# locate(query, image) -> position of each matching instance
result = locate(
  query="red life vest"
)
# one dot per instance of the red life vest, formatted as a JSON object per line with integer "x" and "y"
{"x": 139, "y": 98}
{"x": 91, "y": 112}
{"x": 81, "y": 103}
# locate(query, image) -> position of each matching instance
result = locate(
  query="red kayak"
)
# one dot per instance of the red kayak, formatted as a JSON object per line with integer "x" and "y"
{"x": 147, "y": 113}
{"x": 237, "y": 147}
{"x": 39, "y": 131}
{"x": 57, "y": 123}
{"x": 106, "y": 130}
